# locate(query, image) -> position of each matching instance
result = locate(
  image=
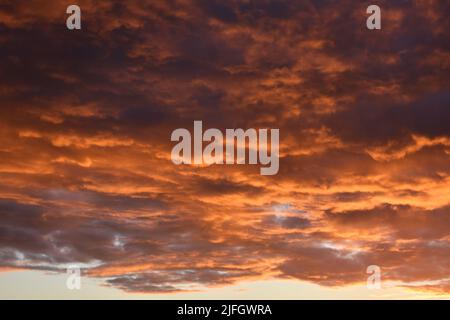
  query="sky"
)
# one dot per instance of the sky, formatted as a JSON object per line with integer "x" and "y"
{"x": 86, "y": 177}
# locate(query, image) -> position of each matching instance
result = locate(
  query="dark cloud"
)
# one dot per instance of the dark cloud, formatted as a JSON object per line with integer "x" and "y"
{"x": 223, "y": 187}
{"x": 289, "y": 222}
{"x": 405, "y": 221}
{"x": 382, "y": 122}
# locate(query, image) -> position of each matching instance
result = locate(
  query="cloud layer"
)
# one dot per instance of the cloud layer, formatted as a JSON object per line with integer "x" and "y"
{"x": 364, "y": 118}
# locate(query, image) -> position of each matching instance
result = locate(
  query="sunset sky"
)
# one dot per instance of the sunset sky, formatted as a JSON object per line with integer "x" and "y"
{"x": 86, "y": 176}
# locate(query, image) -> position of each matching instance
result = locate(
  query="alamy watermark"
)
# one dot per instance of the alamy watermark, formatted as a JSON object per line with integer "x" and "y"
{"x": 73, "y": 281}
{"x": 374, "y": 20}
{"x": 221, "y": 147}
{"x": 374, "y": 280}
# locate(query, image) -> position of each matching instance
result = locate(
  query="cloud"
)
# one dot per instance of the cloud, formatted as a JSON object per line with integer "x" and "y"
{"x": 86, "y": 117}
{"x": 405, "y": 221}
